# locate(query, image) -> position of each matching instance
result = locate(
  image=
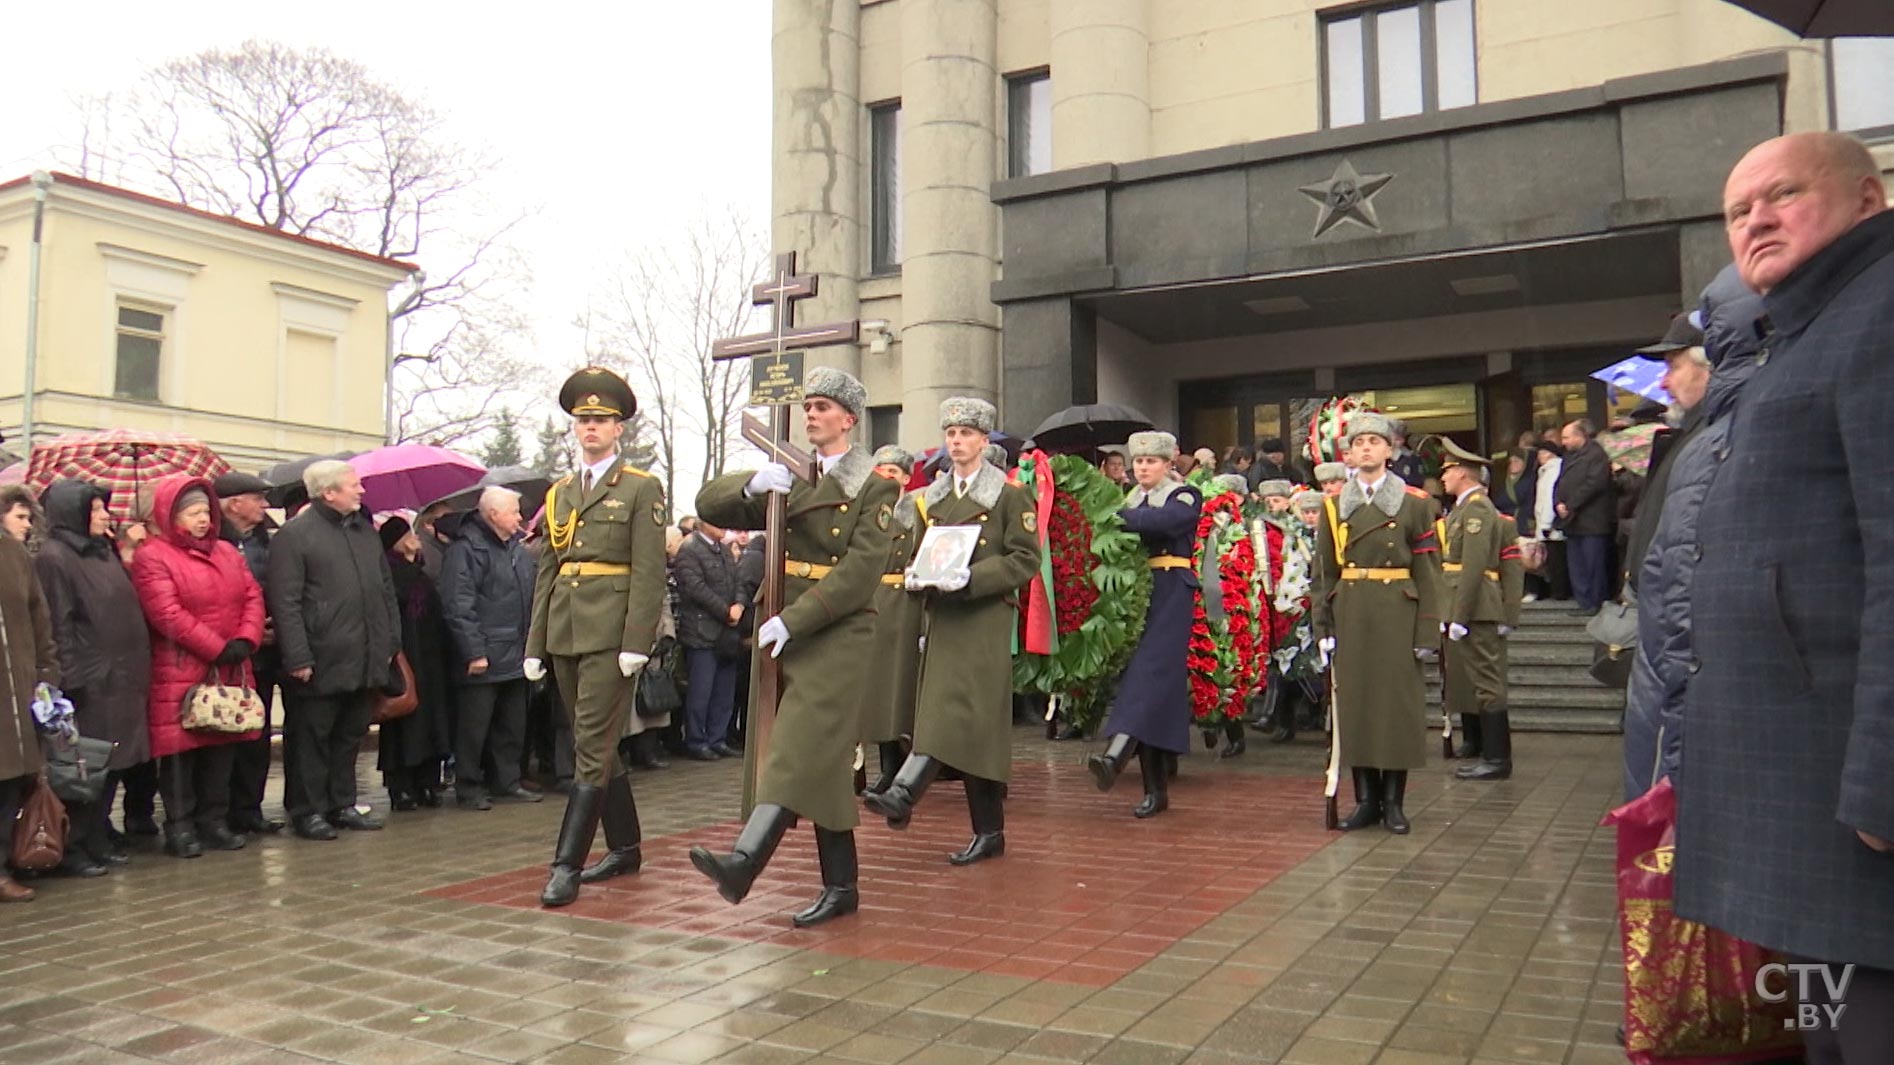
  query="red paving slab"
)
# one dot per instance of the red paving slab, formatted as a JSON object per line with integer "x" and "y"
{"x": 1085, "y": 893}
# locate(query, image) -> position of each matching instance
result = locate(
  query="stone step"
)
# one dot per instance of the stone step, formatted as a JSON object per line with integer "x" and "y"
{"x": 1575, "y": 635}
{"x": 1604, "y": 722}
{"x": 1593, "y": 697}
{"x": 1547, "y": 654}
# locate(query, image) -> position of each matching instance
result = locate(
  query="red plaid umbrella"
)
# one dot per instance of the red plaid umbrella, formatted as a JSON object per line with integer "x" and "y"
{"x": 123, "y": 460}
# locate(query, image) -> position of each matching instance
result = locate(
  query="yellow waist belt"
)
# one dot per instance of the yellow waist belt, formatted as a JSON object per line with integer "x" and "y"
{"x": 594, "y": 569}
{"x": 1169, "y": 562}
{"x": 808, "y": 571}
{"x": 895, "y": 580}
{"x": 1358, "y": 573}
{"x": 1456, "y": 567}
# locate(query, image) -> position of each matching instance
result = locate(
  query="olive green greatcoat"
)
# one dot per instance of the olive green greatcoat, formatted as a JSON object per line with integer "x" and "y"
{"x": 582, "y": 621}
{"x": 1473, "y": 668}
{"x": 894, "y": 670}
{"x": 1380, "y": 694}
{"x": 842, "y": 521}
{"x": 964, "y": 712}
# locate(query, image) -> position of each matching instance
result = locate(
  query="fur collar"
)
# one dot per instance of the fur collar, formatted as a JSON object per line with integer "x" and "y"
{"x": 1158, "y": 496}
{"x": 984, "y": 489}
{"x": 1386, "y": 499}
{"x": 906, "y": 514}
{"x": 851, "y": 471}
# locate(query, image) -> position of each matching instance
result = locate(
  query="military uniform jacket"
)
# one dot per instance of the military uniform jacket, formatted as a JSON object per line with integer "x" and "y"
{"x": 964, "y": 711}
{"x": 1379, "y": 619}
{"x": 837, "y": 550}
{"x": 600, "y": 586}
{"x": 1152, "y": 704}
{"x": 1484, "y": 580}
{"x": 894, "y": 671}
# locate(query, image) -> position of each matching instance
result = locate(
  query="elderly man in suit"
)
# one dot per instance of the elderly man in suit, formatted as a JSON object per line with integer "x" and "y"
{"x": 1785, "y": 815}
{"x": 1587, "y": 510}
{"x": 707, "y": 627}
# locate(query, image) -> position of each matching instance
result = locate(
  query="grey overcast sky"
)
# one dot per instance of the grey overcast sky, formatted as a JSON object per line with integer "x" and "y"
{"x": 614, "y": 122}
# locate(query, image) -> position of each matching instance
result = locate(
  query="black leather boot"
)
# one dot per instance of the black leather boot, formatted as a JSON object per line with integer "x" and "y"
{"x": 1470, "y": 736}
{"x": 1170, "y": 765}
{"x": 1280, "y": 715}
{"x": 910, "y": 783}
{"x": 1155, "y": 766}
{"x": 1233, "y": 731}
{"x": 986, "y": 809}
{"x": 891, "y": 758}
{"x": 1393, "y": 793}
{"x": 619, "y": 817}
{"x": 575, "y": 842}
{"x": 836, "y": 852}
{"x": 735, "y": 872}
{"x": 1106, "y": 767}
{"x": 1367, "y": 800}
{"x": 1496, "y": 759}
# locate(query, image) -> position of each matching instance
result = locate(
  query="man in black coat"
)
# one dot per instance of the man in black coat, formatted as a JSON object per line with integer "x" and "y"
{"x": 1588, "y": 514}
{"x": 338, "y": 630}
{"x": 711, "y": 608}
{"x": 1785, "y": 799}
{"x": 246, "y": 527}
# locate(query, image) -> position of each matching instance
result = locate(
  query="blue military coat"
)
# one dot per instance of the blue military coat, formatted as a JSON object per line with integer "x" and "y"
{"x": 1153, "y": 701}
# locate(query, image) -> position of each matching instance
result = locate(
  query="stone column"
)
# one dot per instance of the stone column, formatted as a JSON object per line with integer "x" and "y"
{"x": 817, "y": 168}
{"x": 1101, "y": 82}
{"x": 949, "y": 160}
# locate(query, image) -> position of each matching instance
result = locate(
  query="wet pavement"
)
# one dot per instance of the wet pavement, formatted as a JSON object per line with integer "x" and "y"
{"x": 1230, "y": 929}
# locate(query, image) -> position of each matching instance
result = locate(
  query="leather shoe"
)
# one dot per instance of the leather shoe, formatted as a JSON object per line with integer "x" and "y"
{"x": 315, "y": 827}
{"x": 429, "y": 797}
{"x": 12, "y": 890}
{"x": 403, "y": 801}
{"x": 140, "y": 825}
{"x": 700, "y": 754}
{"x": 81, "y": 866}
{"x": 472, "y": 799}
{"x": 182, "y": 844}
{"x": 219, "y": 838}
{"x": 517, "y": 794}
{"x": 350, "y": 818}
{"x": 255, "y": 823}
{"x": 724, "y": 750}
{"x": 984, "y": 845}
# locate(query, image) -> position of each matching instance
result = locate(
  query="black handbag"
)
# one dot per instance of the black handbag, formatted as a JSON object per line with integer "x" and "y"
{"x": 76, "y": 768}
{"x": 657, "y": 689}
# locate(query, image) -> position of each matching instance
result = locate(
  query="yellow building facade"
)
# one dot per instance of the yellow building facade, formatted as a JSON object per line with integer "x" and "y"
{"x": 151, "y": 315}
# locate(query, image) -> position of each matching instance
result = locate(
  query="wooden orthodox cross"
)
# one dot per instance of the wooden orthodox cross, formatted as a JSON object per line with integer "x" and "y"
{"x": 776, "y": 382}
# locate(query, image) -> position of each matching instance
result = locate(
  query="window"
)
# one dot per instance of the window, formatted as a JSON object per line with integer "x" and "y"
{"x": 1399, "y": 60}
{"x": 1861, "y": 84}
{"x": 884, "y": 189}
{"x": 1029, "y": 124}
{"x": 140, "y": 348}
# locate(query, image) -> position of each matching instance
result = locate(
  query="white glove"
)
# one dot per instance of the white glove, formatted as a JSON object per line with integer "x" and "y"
{"x": 535, "y": 669}
{"x": 1425, "y": 654}
{"x": 772, "y": 477}
{"x": 1326, "y": 648}
{"x": 956, "y": 580}
{"x": 911, "y": 582}
{"x": 1505, "y": 631}
{"x": 1456, "y": 631}
{"x": 773, "y": 634}
{"x": 629, "y": 663}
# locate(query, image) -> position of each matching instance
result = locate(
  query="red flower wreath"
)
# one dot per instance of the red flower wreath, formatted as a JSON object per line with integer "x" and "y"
{"x": 1070, "y": 545}
{"x": 1224, "y": 666}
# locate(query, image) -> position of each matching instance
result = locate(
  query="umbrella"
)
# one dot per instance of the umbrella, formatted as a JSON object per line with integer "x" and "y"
{"x": 528, "y": 482}
{"x": 1826, "y": 18}
{"x": 14, "y": 474}
{"x": 1636, "y": 374}
{"x": 121, "y": 460}
{"x": 1631, "y": 448}
{"x": 1089, "y": 426}
{"x": 286, "y": 478}
{"x": 410, "y": 476}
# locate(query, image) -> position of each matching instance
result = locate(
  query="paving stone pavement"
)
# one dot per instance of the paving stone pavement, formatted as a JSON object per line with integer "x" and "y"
{"x": 1229, "y": 930}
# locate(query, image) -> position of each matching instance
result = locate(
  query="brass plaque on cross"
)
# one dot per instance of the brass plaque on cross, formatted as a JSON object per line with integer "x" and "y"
{"x": 776, "y": 380}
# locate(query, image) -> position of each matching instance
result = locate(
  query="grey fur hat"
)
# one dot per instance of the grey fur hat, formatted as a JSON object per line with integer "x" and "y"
{"x": 894, "y": 455}
{"x": 831, "y": 383}
{"x": 1155, "y": 444}
{"x": 1368, "y": 423}
{"x": 1308, "y": 499}
{"x": 995, "y": 455}
{"x": 968, "y": 411}
{"x": 1233, "y": 482}
{"x": 1330, "y": 471}
{"x": 1276, "y": 488}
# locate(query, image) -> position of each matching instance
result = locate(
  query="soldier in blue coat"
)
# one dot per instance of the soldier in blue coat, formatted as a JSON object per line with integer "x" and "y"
{"x": 1151, "y": 715}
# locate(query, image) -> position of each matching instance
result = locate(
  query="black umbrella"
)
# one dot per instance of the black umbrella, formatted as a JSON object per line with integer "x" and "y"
{"x": 1827, "y": 18}
{"x": 286, "y": 478}
{"x": 528, "y": 482}
{"x": 1089, "y": 426}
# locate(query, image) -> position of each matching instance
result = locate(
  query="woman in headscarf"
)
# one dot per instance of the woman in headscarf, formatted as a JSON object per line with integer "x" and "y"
{"x": 413, "y": 747}
{"x": 104, "y": 653}
{"x": 205, "y": 612}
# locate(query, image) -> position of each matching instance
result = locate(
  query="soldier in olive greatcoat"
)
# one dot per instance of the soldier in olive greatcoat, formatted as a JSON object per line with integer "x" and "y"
{"x": 963, "y": 710}
{"x": 887, "y": 715}
{"x": 836, "y": 554}
{"x": 596, "y": 604}
{"x": 1479, "y": 553}
{"x": 1377, "y": 611}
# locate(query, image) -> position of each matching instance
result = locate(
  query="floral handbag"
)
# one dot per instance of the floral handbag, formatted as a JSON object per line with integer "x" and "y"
{"x": 214, "y": 706}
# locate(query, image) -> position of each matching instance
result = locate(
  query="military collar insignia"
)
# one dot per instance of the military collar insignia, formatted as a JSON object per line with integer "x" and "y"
{"x": 984, "y": 489}
{"x": 852, "y": 470}
{"x": 1387, "y": 497}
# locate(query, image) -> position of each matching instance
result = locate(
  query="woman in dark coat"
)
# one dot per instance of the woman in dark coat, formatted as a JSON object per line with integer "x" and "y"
{"x": 104, "y": 651}
{"x": 1151, "y": 714}
{"x": 412, "y": 748}
{"x": 30, "y": 659}
{"x": 205, "y": 612}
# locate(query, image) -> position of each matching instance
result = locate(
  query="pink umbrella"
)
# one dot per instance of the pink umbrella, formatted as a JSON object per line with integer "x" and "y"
{"x": 410, "y": 476}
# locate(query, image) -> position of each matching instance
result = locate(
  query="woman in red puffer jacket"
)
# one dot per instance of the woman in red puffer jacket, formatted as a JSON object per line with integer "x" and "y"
{"x": 205, "y": 612}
